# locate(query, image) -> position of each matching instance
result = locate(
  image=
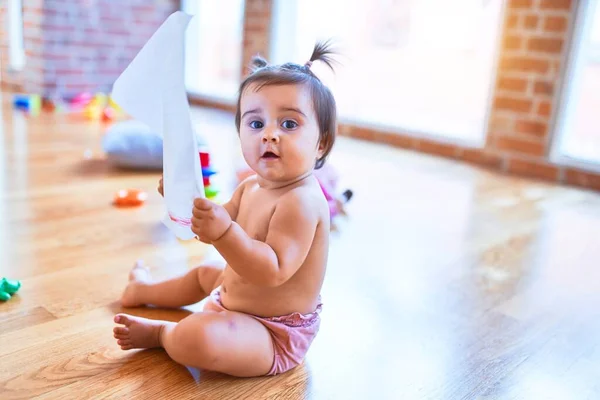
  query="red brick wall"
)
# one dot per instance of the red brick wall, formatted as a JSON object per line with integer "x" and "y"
{"x": 532, "y": 62}
{"x": 30, "y": 78}
{"x": 256, "y": 32}
{"x": 77, "y": 46}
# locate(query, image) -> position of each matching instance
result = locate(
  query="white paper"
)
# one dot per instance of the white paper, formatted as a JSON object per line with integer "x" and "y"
{"x": 152, "y": 90}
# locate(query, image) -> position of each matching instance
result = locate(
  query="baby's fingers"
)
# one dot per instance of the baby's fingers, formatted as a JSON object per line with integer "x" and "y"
{"x": 196, "y": 225}
{"x": 200, "y": 213}
{"x": 203, "y": 204}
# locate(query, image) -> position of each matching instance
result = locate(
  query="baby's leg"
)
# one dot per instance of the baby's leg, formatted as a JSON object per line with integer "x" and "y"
{"x": 227, "y": 342}
{"x": 184, "y": 290}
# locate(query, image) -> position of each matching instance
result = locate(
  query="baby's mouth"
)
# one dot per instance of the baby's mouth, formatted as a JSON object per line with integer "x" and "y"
{"x": 269, "y": 155}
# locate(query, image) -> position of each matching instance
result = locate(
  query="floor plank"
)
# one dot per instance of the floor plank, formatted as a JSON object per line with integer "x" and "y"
{"x": 444, "y": 281}
{"x": 21, "y": 319}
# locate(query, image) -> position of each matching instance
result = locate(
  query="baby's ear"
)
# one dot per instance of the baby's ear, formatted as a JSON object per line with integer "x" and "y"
{"x": 320, "y": 149}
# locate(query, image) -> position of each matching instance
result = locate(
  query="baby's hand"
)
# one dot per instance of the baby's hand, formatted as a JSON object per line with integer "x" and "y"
{"x": 210, "y": 221}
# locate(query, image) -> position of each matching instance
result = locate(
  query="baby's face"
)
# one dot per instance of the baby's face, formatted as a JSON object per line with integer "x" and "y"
{"x": 279, "y": 132}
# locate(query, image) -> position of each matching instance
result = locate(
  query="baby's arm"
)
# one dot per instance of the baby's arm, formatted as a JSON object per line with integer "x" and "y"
{"x": 233, "y": 205}
{"x": 290, "y": 236}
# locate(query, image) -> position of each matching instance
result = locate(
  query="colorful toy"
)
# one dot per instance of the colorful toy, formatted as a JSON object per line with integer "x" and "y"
{"x": 207, "y": 172}
{"x": 114, "y": 106}
{"x": 29, "y": 103}
{"x": 328, "y": 178}
{"x": 8, "y": 288}
{"x": 108, "y": 114}
{"x": 94, "y": 109}
{"x": 48, "y": 105}
{"x": 80, "y": 101}
{"x": 130, "y": 198}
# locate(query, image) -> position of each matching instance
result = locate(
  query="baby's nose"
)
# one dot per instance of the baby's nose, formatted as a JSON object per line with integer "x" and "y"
{"x": 270, "y": 137}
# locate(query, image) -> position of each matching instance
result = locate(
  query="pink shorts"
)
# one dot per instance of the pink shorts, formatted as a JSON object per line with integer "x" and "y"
{"x": 292, "y": 334}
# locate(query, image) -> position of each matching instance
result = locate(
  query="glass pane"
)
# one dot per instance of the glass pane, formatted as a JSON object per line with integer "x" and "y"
{"x": 579, "y": 128}
{"x": 16, "y": 50}
{"x": 423, "y": 66}
{"x": 214, "y": 47}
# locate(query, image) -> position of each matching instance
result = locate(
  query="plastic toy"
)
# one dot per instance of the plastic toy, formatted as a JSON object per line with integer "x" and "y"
{"x": 30, "y": 103}
{"x": 336, "y": 204}
{"x": 133, "y": 145}
{"x": 207, "y": 171}
{"x": 328, "y": 178}
{"x": 108, "y": 114}
{"x": 95, "y": 107}
{"x": 114, "y": 106}
{"x": 130, "y": 198}
{"x": 48, "y": 104}
{"x": 8, "y": 288}
{"x": 81, "y": 100}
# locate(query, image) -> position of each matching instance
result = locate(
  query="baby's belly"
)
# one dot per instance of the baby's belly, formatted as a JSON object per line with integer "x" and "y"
{"x": 237, "y": 295}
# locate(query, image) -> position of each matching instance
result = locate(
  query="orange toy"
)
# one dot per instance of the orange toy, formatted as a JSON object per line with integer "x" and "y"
{"x": 130, "y": 198}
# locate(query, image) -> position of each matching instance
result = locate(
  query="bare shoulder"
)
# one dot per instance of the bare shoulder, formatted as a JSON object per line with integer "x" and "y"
{"x": 307, "y": 199}
{"x": 248, "y": 184}
{"x": 245, "y": 187}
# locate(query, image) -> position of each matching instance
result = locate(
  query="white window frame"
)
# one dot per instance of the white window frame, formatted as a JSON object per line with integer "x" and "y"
{"x": 567, "y": 99}
{"x": 191, "y": 7}
{"x": 16, "y": 48}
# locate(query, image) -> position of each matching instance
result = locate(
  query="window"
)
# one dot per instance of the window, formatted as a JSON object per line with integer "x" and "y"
{"x": 577, "y": 133}
{"x": 424, "y": 67}
{"x": 16, "y": 50}
{"x": 214, "y": 48}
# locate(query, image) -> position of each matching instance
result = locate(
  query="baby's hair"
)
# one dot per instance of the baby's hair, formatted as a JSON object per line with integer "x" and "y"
{"x": 324, "y": 104}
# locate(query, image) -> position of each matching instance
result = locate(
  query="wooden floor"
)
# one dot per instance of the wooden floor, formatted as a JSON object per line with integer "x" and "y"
{"x": 445, "y": 282}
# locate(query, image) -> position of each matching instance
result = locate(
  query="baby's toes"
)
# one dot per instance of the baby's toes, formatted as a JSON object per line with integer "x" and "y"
{"x": 121, "y": 330}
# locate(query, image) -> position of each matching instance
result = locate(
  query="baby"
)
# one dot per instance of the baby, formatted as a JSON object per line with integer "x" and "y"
{"x": 263, "y": 307}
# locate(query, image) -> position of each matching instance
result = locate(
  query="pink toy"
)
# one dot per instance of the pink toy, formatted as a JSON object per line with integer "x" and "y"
{"x": 328, "y": 178}
{"x": 81, "y": 100}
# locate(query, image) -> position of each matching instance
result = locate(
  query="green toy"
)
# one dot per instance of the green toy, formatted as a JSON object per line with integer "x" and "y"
{"x": 8, "y": 288}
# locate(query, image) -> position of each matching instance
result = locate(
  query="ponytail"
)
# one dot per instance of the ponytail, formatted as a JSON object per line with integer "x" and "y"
{"x": 258, "y": 62}
{"x": 322, "y": 52}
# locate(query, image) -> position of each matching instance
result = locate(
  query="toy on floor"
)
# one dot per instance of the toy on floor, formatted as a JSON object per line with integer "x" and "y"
{"x": 328, "y": 178}
{"x": 336, "y": 203}
{"x": 130, "y": 198}
{"x": 133, "y": 145}
{"x": 31, "y": 103}
{"x": 8, "y": 288}
{"x": 101, "y": 107}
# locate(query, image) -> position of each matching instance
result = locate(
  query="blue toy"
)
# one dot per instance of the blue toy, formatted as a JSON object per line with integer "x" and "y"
{"x": 30, "y": 103}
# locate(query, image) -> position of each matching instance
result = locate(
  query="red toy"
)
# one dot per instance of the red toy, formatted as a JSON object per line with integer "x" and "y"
{"x": 130, "y": 198}
{"x": 207, "y": 171}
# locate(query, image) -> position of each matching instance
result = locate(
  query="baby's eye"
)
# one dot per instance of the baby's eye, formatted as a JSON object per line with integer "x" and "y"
{"x": 256, "y": 125}
{"x": 289, "y": 124}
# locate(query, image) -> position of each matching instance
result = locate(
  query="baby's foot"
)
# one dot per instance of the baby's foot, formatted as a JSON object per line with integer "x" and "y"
{"x": 139, "y": 275}
{"x": 137, "y": 332}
